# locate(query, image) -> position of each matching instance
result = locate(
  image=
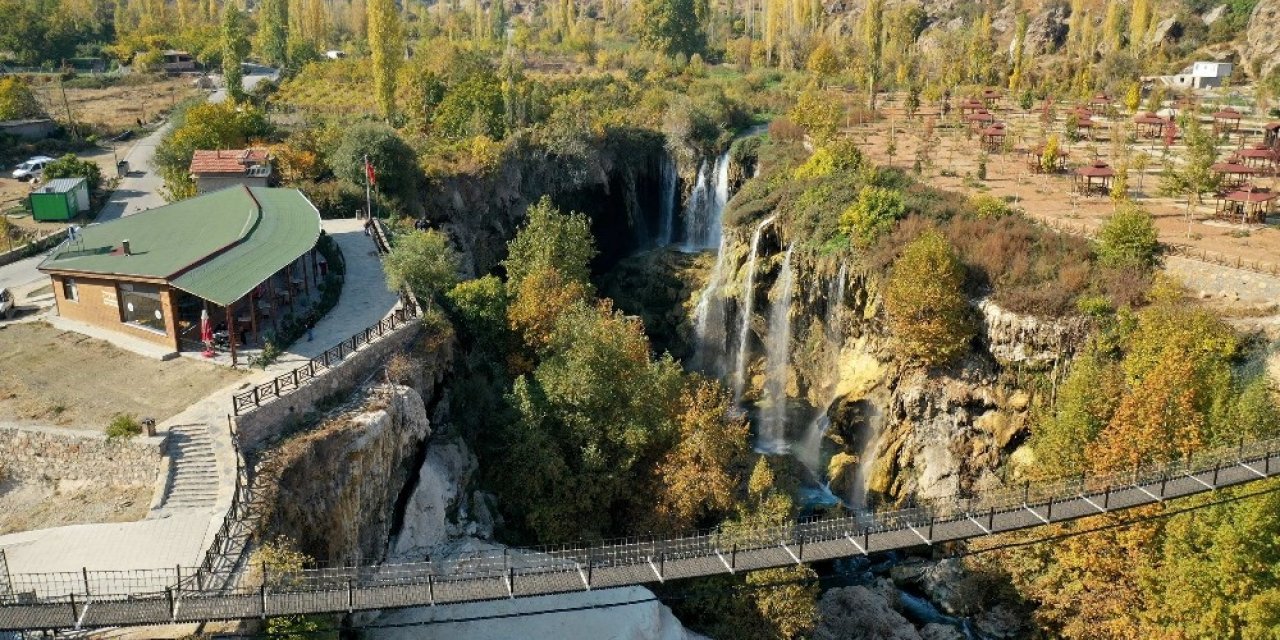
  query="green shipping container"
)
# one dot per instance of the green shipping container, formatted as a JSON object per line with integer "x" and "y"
{"x": 61, "y": 199}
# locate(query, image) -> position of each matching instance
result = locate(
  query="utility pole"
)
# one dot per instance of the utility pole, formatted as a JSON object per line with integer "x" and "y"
{"x": 71, "y": 122}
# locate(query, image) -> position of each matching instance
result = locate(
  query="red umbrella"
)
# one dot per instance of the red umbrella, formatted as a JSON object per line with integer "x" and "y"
{"x": 206, "y": 333}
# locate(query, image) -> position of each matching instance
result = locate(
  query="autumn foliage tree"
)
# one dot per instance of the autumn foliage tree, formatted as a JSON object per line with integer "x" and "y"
{"x": 694, "y": 477}
{"x": 386, "y": 45}
{"x": 928, "y": 313}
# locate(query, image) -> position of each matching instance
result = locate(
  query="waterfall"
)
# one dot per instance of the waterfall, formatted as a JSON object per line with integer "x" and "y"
{"x": 667, "y": 205}
{"x": 809, "y": 451}
{"x": 693, "y": 210}
{"x": 704, "y": 212}
{"x": 748, "y": 301}
{"x": 773, "y": 418}
{"x": 709, "y": 322}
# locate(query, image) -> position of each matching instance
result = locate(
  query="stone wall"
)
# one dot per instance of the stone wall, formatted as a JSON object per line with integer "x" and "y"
{"x": 47, "y": 453}
{"x": 261, "y": 425}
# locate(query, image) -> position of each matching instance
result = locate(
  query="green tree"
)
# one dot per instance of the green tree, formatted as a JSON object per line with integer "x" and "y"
{"x": 819, "y": 115}
{"x": 671, "y": 27}
{"x": 235, "y": 45}
{"x": 204, "y": 126}
{"x": 873, "y": 215}
{"x": 423, "y": 262}
{"x": 551, "y": 239}
{"x": 479, "y": 310}
{"x": 69, "y": 166}
{"x": 273, "y": 32}
{"x": 473, "y": 107}
{"x": 928, "y": 313}
{"x": 17, "y": 101}
{"x": 385, "y": 150}
{"x": 1193, "y": 176}
{"x": 386, "y": 43}
{"x": 823, "y": 61}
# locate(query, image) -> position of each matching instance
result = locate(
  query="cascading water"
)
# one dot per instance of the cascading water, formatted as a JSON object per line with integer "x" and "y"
{"x": 667, "y": 203}
{"x": 773, "y": 416}
{"x": 709, "y": 322}
{"x": 809, "y": 449}
{"x": 720, "y": 197}
{"x": 694, "y": 212}
{"x": 748, "y": 301}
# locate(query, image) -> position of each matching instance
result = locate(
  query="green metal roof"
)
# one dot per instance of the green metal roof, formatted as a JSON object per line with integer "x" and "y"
{"x": 217, "y": 246}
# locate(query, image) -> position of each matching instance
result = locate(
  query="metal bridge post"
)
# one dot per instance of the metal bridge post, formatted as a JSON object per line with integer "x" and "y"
{"x": 1026, "y": 492}
{"x": 431, "y": 589}
{"x": 866, "y": 540}
{"x": 84, "y": 572}
{"x": 1049, "y": 511}
{"x": 1266, "y": 464}
{"x": 801, "y": 556}
{"x": 168, "y": 594}
{"x": 1106, "y": 498}
{"x": 75, "y": 617}
{"x": 1216, "y": 467}
{"x": 662, "y": 565}
{"x": 351, "y": 596}
{"x": 591, "y": 562}
{"x": 1164, "y": 478}
{"x": 733, "y": 557}
{"x": 991, "y": 519}
{"x": 932, "y": 518}
{"x": 262, "y": 600}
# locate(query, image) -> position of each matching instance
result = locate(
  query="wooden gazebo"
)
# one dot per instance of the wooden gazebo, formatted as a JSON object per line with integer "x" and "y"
{"x": 1271, "y": 135}
{"x": 1261, "y": 157}
{"x": 1100, "y": 102}
{"x": 1087, "y": 126}
{"x": 1082, "y": 112}
{"x": 993, "y": 137}
{"x": 1250, "y": 205}
{"x": 1232, "y": 173}
{"x": 1035, "y": 157}
{"x": 979, "y": 120}
{"x": 970, "y": 106}
{"x": 1095, "y": 179}
{"x": 1226, "y": 121}
{"x": 991, "y": 97}
{"x": 1149, "y": 125}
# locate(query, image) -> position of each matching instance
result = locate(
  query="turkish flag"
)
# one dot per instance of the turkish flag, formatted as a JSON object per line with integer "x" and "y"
{"x": 369, "y": 173}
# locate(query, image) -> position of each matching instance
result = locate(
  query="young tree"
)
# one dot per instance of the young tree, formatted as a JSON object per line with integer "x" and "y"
{"x": 386, "y": 44}
{"x": 873, "y": 215}
{"x": 1139, "y": 24}
{"x": 69, "y": 166}
{"x": 235, "y": 45}
{"x": 873, "y": 42}
{"x": 823, "y": 62}
{"x": 273, "y": 31}
{"x": 1019, "y": 45}
{"x": 424, "y": 262}
{"x": 551, "y": 239}
{"x": 928, "y": 313}
{"x": 1193, "y": 176}
{"x": 1113, "y": 25}
{"x": 1128, "y": 239}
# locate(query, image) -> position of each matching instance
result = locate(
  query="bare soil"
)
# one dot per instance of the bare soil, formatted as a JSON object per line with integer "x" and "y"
{"x": 58, "y": 378}
{"x": 952, "y": 158}
{"x": 117, "y": 107}
{"x": 27, "y": 506}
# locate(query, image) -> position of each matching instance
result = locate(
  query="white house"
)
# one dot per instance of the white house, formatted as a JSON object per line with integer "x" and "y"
{"x": 1200, "y": 75}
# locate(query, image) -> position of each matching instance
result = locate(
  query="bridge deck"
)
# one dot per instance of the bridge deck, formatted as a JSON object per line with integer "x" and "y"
{"x": 511, "y": 575}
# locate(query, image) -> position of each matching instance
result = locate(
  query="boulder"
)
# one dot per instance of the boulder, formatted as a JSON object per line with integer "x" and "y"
{"x": 1166, "y": 30}
{"x": 1046, "y": 30}
{"x": 1262, "y": 38}
{"x": 860, "y": 613}
{"x": 1214, "y": 14}
{"x": 938, "y": 631}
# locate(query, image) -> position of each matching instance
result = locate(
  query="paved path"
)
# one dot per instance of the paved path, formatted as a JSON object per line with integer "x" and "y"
{"x": 141, "y": 189}
{"x": 174, "y": 533}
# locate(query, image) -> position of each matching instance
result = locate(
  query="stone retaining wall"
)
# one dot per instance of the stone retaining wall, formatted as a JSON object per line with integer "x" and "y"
{"x": 259, "y": 426}
{"x": 48, "y": 453}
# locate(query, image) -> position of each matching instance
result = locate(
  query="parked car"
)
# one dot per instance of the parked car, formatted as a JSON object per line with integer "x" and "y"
{"x": 6, "y": 304}
{"x": 31, "y": 169}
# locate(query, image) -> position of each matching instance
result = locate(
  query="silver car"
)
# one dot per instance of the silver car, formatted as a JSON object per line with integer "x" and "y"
{"x": 31, "y": 169}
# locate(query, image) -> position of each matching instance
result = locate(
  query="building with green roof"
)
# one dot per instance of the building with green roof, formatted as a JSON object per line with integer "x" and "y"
{"x": 244, "y": 255}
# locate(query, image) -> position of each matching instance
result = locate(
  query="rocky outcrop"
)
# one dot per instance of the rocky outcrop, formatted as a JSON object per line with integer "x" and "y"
{"x": 863, "y": 613}
{"x": 1046, "y": 30}
{"x": 441, "y": 509}
{"x": 333, "y": 491}
{"x": 1261, "y": 48}
{"x": 1020, "y": 339}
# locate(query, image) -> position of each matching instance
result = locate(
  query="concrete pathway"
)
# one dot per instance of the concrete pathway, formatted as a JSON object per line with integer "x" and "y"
{"x": 177, "y": 531}
{"x": 141, "y": 189}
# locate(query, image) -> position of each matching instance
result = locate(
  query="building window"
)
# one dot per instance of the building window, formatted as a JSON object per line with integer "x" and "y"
{"x": 140, "y": 305}
{"x": 69, "y": 290}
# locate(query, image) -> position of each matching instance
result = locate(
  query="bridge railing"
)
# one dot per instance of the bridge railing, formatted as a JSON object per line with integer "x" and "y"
{"x": 47, "y": 588}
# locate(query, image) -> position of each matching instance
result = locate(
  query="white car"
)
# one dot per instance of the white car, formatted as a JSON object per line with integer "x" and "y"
{"x": 6, "y": 304}
{"x": 31, "y": 169}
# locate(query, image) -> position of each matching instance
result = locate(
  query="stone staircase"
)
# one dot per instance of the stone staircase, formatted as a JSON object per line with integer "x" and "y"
{"x": 193, "y": 469}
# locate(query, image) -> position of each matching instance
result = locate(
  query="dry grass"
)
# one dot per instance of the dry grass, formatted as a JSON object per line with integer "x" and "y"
{"x": 34, "y": 505}
{"x": 58, "y": 378}
{"x": 120, "y": 106}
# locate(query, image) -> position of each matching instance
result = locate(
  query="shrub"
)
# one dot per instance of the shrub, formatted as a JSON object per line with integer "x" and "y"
{"x": 875, "y": 213}
{"x": 928, "y": 313}
{"x": 1128, "y": 239}
{"x": 123, "y": 426}
{"x": 69, "y": 166}
{"x": 424, "y": 262}
{"x": 990, "y": 207}
{"x": 17, "y": 100}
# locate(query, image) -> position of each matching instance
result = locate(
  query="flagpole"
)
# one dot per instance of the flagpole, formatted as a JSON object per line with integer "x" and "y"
{"x": 368, "y": 190}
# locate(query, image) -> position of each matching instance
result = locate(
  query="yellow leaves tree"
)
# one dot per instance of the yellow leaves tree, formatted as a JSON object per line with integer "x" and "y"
{"x": 386, "y": 44}
{"x": 818, "y": 114}
{"x": 540, "y": 299}
{"x": 694, "y": 477}
{"x": 928, "y": 313}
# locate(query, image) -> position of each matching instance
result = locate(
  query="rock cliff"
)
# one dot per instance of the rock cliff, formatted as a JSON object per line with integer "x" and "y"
{"x": 1261, "y": 45}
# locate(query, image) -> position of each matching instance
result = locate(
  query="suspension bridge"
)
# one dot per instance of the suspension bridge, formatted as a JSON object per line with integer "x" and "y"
{"x": 90, "y": 599}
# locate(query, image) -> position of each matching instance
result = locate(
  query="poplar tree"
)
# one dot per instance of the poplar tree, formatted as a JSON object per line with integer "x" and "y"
{"x": 386, "y": 42}
{"x": 1019, "y": 46}
{"x": 273, "y": 31}
{"x": 235, "y": 45}
{"x": 1139, "y": 23}
{"x": 1113, "y": 26}
{"x": 873, "y": 39}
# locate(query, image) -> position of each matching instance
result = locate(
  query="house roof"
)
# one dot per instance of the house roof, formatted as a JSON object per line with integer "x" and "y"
{"x": 217, "y": 246}
{"x": 233, "y": 161}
